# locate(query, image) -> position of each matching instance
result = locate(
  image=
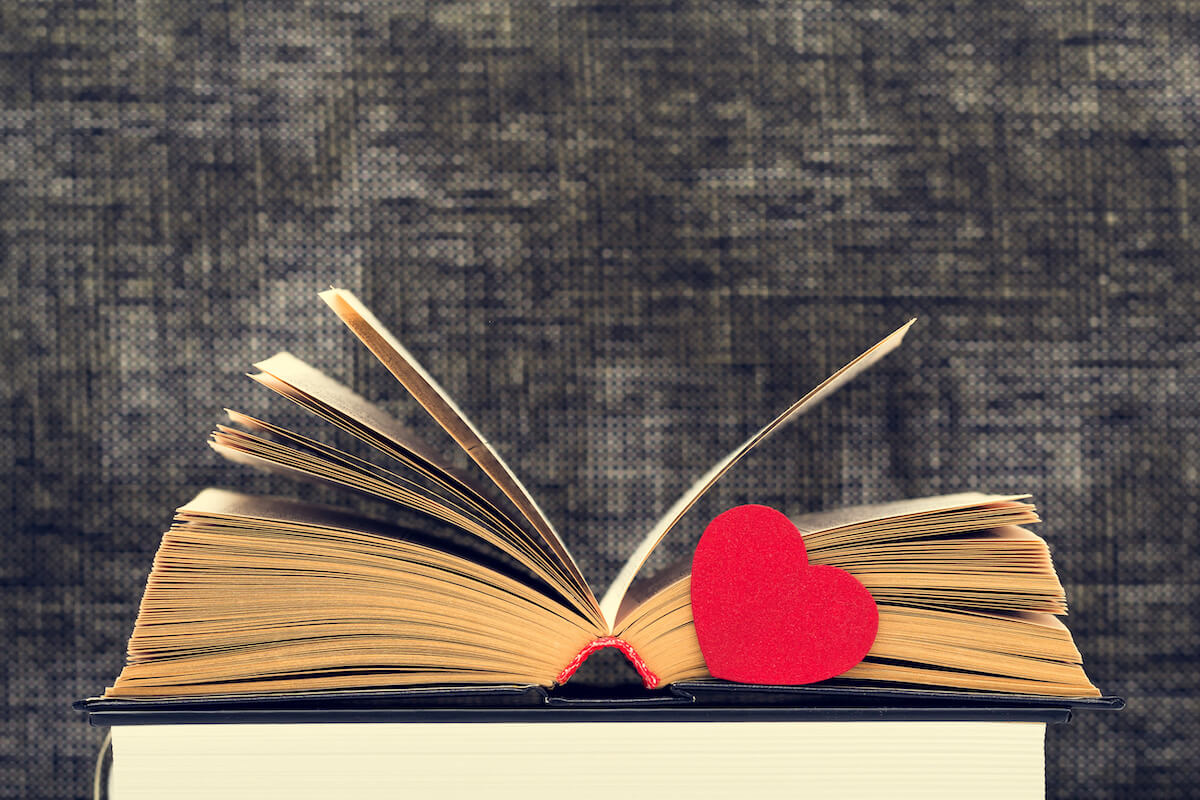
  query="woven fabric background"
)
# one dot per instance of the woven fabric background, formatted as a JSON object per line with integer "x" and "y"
{"x": 623, "y": 236}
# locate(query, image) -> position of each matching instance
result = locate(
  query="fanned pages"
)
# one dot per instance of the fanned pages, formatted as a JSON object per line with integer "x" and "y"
{"x": 260, "y": 596}
{"x": 311, "y": 389}
{"x": 316, "y": 462}
{"x": 429, "y": 394}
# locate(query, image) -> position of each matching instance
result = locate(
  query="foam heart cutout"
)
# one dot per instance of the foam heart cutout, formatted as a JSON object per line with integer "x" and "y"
{"x": 763, "y": 614}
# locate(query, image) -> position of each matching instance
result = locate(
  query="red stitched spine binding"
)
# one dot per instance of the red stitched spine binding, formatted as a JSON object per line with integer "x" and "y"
{"x": 649, "y": 679}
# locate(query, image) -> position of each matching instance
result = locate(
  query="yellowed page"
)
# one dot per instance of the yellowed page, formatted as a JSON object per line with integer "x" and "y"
{"x": 299, "y": 376}
{"x": 896, "y": 510}
{"x": 612, "y": 605}
{"x": 251, "y": 594}
{"x": 301, "y": 383}
{"x": 446, "y": 413}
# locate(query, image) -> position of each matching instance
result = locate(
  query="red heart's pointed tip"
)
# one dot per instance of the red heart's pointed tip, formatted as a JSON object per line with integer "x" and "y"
{"x": 762, "y": 615}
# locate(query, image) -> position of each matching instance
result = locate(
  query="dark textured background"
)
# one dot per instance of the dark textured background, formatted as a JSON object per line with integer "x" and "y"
{"x": 623, "y": 236}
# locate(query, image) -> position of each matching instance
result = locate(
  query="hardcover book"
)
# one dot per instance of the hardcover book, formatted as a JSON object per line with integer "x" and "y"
{"x": 261, "y": 597}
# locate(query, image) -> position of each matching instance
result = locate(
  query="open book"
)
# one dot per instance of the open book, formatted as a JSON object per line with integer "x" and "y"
{"x": 258, "y": 595}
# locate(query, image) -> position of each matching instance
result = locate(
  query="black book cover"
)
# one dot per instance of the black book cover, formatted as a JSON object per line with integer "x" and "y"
{"x": 698, "y": 701}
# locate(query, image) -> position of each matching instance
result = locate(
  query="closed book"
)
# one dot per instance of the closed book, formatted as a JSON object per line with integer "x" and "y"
{"x": 698, "y": 740}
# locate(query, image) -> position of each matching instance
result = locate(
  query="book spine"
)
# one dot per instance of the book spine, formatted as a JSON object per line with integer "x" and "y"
{"x": 649, "y": 679}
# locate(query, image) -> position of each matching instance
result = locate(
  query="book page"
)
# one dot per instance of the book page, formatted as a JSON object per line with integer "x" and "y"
{"x": 228, "y": 503}
{"x": 308, "y": 380}
{"x": 218, "y": 503}
{"x": 288, "y": 453}
{"x": 421, "y": 385}
{"x": 819, "y": 521}
{"x": 612, "y": 605}
{"x": 252, "y": 596}
{"x": 338, "y": 404}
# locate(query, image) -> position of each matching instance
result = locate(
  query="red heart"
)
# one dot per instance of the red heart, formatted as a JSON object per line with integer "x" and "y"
{"x": 763, "y": 614}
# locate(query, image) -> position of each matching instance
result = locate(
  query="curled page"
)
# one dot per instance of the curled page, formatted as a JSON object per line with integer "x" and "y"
{"x": 338, "y": 404}
{"x": 612, "y": 605}
{"x": 421, "y": 385}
